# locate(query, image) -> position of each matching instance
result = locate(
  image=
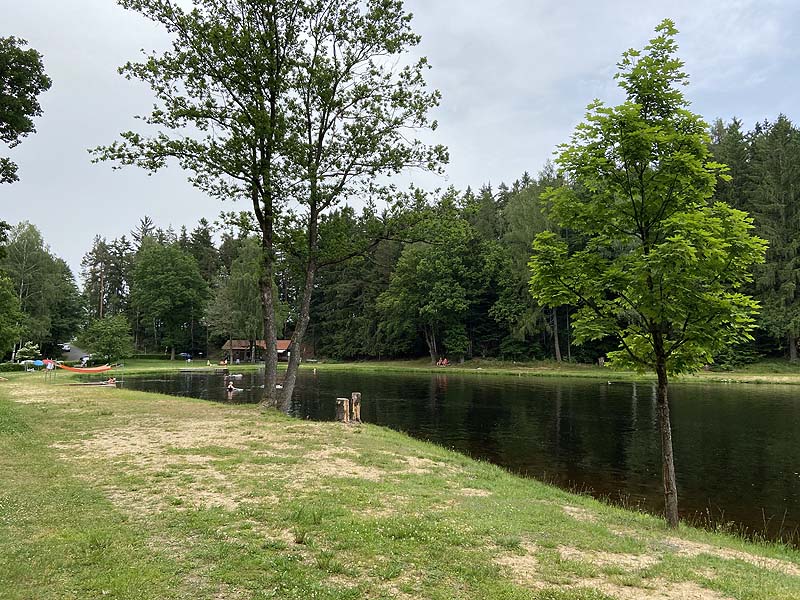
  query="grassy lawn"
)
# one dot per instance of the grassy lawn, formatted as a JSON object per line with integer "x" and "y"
{"x": 768, "y": 371}
{"x": 108, "y": 493}
{"x": 761, "y": 372}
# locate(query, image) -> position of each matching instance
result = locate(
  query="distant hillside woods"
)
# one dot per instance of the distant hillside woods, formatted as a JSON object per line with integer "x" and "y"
{"x": 453, "y": 282}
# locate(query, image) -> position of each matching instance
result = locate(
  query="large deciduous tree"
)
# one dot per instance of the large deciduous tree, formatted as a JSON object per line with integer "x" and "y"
{"x": 168, "y": 291}
{"x": 45, "y": 289}
{"x": 22, "y": 79}
{"x": 109, "y": 338}
{"x": 658, "y": 264}
{"x": 283, "y": 103}
{"x": 10, "y": 315}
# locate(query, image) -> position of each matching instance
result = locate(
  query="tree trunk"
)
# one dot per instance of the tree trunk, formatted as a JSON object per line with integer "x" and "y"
{"x": 172, "y": 352}
{"x": 792, "y": 339}
{"x": 667, "y": 462}
{"x": 556, "y": 344}
{"x": 430, "y": 340}
{"x": 569, "y": 339}
{"x": 299, "y": 332}
{"x": 100, "y": 308}
{"x": 268, "y": 302}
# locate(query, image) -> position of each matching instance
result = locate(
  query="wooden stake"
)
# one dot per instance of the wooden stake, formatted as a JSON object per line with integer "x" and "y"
{"x": 355, "y": 403}
{"x": 343, "y": 410}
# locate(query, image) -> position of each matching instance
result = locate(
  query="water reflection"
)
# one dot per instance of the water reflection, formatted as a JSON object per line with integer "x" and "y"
{"x": 736, "y": 453}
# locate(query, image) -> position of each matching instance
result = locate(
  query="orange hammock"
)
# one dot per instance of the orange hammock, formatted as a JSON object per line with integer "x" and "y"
{"x": 86, "y": 369}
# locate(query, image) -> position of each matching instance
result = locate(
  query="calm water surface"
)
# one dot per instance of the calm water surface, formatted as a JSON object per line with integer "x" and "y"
{"x": 737, "y": 451}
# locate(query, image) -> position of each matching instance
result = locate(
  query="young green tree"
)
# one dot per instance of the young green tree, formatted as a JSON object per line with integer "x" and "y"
{"x": 22, "y": 79}
{"x": 660, "y": 266}
{"x": 109, "y": 338}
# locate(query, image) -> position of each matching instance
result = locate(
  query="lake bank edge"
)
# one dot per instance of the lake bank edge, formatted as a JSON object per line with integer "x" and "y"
{"x": 588, "y": 515}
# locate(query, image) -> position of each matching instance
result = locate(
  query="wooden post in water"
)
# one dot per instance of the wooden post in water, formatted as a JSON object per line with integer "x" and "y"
{"x": 343, "y": 410}
{"x": 355, "y": 404}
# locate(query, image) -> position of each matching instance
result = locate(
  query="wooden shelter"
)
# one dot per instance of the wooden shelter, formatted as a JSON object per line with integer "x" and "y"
{"x": 240, "y": 349}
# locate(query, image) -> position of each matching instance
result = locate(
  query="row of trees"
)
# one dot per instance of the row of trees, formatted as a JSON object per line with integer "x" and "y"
{"x": 453, "y": 281}
{"x": 41, "y": 302}
{"x": 765, "y": 168}
{"x": 24, "y": 295}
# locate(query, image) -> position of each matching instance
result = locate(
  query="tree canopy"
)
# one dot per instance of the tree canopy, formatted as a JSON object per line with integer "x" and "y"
{"x": 653, "y": 260}
{"x": 297, "y": 104}
{"x": 22, "y": 80}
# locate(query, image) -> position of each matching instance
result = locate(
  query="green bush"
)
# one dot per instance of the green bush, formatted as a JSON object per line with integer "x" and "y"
{"x": 150, "y": 357}
{"x": 9, "y": 366}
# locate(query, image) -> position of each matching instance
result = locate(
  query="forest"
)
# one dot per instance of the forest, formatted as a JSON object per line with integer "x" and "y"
{"x": 444, "y": 275}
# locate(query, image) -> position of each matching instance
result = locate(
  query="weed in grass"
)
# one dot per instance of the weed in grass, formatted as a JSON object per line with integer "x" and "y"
{"x": 390, "y": 570}
{"x": 509, "y": 542}
{"x": 274, "y": 545}
{"x": 307, "y": 515}
{"x": 326, "y": 561}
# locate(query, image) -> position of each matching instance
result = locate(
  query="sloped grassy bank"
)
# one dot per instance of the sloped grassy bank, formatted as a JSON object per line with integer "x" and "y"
{"x": 108, "y": 493}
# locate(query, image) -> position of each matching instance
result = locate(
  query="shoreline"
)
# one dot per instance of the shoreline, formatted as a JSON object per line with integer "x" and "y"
{"x": 153, "y": 482}
{"x": 772, "y": 373}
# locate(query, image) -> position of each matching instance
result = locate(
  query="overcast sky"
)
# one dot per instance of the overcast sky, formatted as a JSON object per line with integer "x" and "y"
{"x": 515, "y": 76}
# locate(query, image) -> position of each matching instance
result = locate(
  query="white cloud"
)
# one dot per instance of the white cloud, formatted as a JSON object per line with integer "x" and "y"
{"x": 515, "y": 76}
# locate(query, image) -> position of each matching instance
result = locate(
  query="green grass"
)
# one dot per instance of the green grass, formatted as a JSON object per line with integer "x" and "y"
{"x": 121, "y": 494}
{"x": 770, "y": 371}
{"x": 767, "y": 371}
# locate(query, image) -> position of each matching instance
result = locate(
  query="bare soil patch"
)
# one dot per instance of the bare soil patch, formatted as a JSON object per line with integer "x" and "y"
{"x": 580, "y": 514}
{"x": 629, "y": 562}
{"x": 689, "y": 548}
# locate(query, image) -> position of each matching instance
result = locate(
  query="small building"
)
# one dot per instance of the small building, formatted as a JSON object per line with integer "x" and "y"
{"x": 240, "y": 349}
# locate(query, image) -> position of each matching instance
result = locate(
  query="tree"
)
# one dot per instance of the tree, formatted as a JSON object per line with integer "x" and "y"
{"x": 45, "y": 289}
{"x": 168, "y": 291}
{"x": 774, "y": 199}
{"x": 277, "y": 102}
{"x": 730, "y": 147}
{"x": 346, "y": 321}
{"x": 146, "y": 228}
{"x": 201, "y": 246}
{"x": 10, "y": 315}
{"x": 95, "y": 266}
{"x": 28, "y": 351}
{"x": 108, "y": 337}
{"x": 659, "y": 266}
{"x": 429, "y": 291}
{"x": 22, "y": 79}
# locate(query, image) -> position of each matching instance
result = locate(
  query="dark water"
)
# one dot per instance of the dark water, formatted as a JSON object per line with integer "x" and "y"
{"x": 737, "y": 450}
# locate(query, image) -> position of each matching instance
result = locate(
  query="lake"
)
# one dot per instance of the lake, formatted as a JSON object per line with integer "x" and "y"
{"x": 736, "y": 446}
